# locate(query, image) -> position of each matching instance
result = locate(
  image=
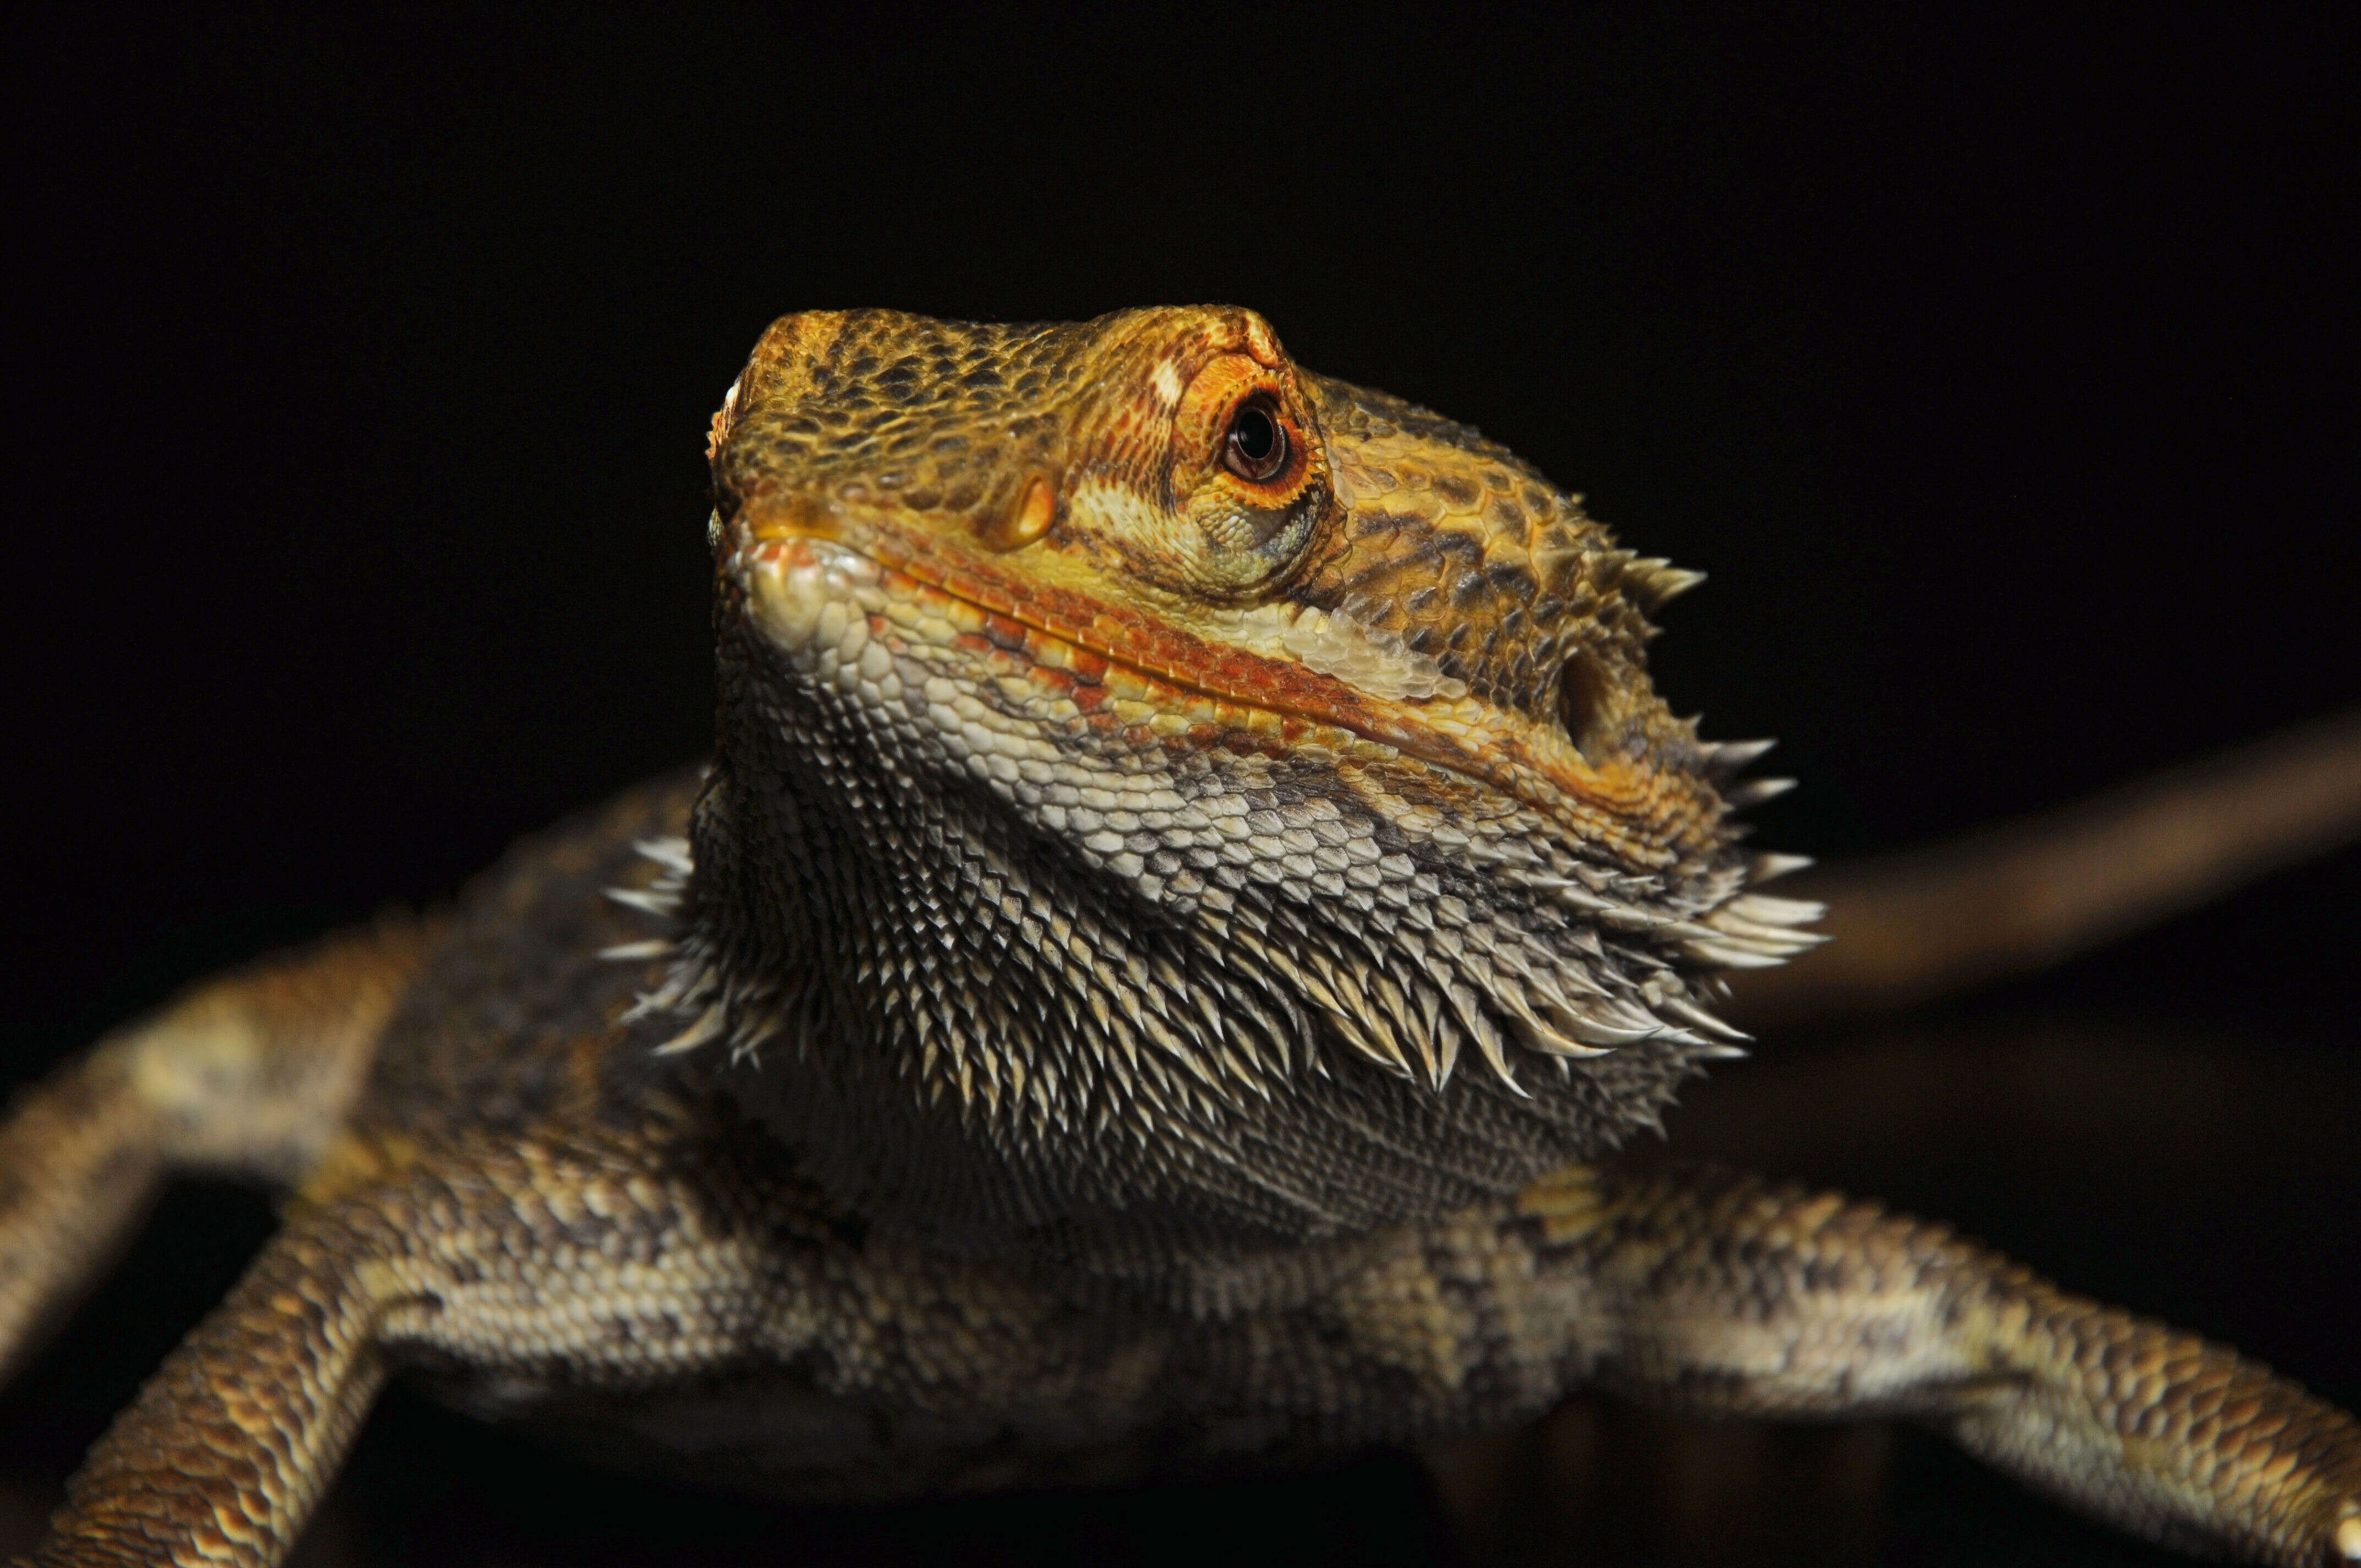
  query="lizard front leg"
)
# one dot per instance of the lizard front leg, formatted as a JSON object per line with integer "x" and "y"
{"x": 1721, "y": 1293}
{"x": 584, "y": 1259}
{"x": 248, "y": 1075}
{"x": 230, "y": 1445}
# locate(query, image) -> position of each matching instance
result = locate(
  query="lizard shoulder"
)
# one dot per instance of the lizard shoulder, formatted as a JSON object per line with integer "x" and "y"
{"x": 519, "y": 1020}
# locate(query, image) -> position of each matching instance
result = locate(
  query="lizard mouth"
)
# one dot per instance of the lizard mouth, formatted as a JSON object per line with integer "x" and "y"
{"x": 1122, "y": 670}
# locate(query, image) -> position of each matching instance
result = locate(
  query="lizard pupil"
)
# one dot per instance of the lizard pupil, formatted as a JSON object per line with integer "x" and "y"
{"x": 1258, "y": 442}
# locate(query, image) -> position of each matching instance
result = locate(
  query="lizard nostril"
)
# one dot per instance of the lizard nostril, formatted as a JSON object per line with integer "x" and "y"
{"x": 1029, "y": 519}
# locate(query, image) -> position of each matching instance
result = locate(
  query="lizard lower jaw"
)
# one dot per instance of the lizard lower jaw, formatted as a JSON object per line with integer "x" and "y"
{"x": 810, "y": 594}
{"x": 805, "y": 592}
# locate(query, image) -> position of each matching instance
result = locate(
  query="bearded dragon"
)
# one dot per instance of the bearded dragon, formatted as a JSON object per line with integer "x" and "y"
{"x": 1192, "y": 884}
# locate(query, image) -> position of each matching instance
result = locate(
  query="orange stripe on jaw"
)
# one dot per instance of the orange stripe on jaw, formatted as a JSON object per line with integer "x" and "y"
{"x": 1290, "y": 697}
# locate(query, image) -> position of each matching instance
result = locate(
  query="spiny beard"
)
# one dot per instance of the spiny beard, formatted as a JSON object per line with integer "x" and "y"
{"x": 965, "y": 1016}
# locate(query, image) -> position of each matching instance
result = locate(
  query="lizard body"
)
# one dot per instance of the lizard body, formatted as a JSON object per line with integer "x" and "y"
{"x": 1192, "y": 878}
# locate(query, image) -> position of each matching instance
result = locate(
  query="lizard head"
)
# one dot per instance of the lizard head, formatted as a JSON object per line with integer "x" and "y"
{"x": 1152, "y": 777}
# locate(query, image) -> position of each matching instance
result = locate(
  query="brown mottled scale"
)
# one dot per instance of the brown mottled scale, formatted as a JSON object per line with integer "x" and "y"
{"x": 1192, "y": 884}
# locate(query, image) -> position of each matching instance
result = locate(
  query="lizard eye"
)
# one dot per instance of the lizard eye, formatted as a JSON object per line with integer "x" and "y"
{"x": 1257, "y": 449}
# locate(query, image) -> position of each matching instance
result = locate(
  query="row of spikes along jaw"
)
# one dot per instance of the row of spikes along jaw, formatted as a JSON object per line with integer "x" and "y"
{"x": 1040, "y": 891}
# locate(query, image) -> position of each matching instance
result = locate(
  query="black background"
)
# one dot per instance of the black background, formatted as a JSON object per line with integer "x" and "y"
{"x": 1999, "y": 370}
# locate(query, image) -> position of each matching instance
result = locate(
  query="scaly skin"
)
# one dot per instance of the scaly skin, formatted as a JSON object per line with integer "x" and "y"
{"x": 1192, "y": 881}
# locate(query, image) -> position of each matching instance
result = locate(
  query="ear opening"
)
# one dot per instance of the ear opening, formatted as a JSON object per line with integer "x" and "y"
{"x": 1583, "y": 706}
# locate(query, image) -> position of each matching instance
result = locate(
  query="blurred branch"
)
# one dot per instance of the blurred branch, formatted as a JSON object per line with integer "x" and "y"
{"x": 1925, "y": 923}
